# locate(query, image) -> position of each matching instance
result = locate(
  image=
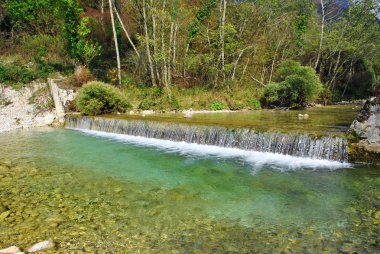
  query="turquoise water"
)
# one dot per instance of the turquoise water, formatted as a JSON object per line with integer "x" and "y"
{"x": 126, "y": 195}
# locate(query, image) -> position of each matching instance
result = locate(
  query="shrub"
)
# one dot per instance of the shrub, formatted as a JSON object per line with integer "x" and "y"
{"x": 97, "y": 98}
{"x": 147, "y": 103}
{"x": 254, "y": 104}
{"x": 297, "y": 86}
{"x": 14, "y": 73}
{"x": 217, "y": 106}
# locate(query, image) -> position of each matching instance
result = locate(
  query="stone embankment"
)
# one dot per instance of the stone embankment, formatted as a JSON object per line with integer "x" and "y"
{"x": 366, "y": 128}
{"x": 33, "y": 106}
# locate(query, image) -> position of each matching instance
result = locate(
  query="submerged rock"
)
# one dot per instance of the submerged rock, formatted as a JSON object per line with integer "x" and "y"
{"x": 10, "y": 250}
{"x": 4, "y": 215}
{"x": 42, "y": 246}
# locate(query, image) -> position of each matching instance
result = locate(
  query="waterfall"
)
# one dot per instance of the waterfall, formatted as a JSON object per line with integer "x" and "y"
{"x": 329, "y": 148}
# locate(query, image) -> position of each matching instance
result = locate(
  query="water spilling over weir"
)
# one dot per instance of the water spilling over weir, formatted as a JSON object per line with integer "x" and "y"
{"x": 305, "y": 146}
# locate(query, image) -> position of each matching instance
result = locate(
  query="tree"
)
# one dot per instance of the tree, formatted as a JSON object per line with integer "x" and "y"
{"x": 76, "y": 32}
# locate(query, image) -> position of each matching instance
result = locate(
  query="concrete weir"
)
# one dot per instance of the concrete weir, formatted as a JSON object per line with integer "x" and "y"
{"x": 305, "y": 146}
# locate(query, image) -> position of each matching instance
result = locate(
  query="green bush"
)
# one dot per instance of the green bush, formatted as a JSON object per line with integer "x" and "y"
{"x": 14, "y": 73}
{"x": 147, "y": 104}
{"x": 96, "y": 98}
{"x": 217, "y": 106}
{"x": 296, "y": 86}
{"x": 254, "y": 104}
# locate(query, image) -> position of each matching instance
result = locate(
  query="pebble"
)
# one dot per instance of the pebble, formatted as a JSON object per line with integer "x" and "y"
{"x": 303, "y": 116}
{"x": 42, "y": 246}
{"x": 10, "y": 250}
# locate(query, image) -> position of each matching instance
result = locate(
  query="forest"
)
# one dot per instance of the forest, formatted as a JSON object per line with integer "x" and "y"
{"x": 202, "y": 54}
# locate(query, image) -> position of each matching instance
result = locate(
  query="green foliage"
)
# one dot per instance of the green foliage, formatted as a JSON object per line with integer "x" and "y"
{"x": 254, "y": 104}
{"x": 147, "y": 104}
{"x": 34, "y": 16}
{"x": 156, "y": 100}
{"x": 202, "y": 14}
{"x": 300, "y": 24}
{"x": 353, "y": 137}
{"x": 14, "y": 74}
{"x": 97, "y": 98}
{"x": 297, "y": 86}
{"x": 325, "y": 96}
{"x": 76, "y": 33}
{"x": 217, "y": 106}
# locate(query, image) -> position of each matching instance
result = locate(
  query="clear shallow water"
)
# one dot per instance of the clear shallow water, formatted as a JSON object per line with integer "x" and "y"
{"x": 93, "y": 191}
{"x": 328, "y": 120}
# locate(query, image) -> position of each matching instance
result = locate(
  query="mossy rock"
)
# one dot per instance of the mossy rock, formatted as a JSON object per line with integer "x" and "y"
{"x": 359, "y": 152}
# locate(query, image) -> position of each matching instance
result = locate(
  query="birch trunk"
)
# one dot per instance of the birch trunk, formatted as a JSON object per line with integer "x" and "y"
{"x": 155, "y": 48}
{"x": 126, "y": 32}
{"x": 274, "y": 61}
{"x": 170, "y": 53}
{"x": 116, "y": 43}
{"x": 236, "y": 63}
{"x": 223, "y": 6}
{"x": 322, "y": 34}
{"x": 174, "y": 47}
{"x": 163, "y": 49}
{"x": 152, "y": 76}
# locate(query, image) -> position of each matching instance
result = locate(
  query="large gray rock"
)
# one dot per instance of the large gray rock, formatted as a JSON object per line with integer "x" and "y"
{"x": 367, "y": 126}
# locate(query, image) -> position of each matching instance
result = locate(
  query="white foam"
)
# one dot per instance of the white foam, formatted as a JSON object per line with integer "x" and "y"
{"x": 256, "y": 159}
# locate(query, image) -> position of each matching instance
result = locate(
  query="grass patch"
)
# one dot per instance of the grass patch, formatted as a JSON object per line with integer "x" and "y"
{"x": 197, "y": 98}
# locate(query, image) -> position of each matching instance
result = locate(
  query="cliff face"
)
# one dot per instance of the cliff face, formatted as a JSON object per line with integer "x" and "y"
{"x": 29, "y": 107}
{"x": 367, "y": 128}
{"x": 32, "y": 106}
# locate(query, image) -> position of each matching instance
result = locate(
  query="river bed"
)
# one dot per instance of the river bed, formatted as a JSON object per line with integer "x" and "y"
{"x": 93, "y": 193}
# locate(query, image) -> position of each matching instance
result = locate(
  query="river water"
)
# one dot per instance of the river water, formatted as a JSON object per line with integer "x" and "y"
{"x": 93, "y": 192}
{"x": 328, "y": 120}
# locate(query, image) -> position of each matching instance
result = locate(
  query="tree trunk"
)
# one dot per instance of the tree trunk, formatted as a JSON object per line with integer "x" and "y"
{"x": 155, "y": 49}
{"x": 236, "y": 63}
{"x": 102, "y": 11}
{"x": 322, "y": 35}
{"x": 170, "y": 53}
{"x": 116, "y": 43}
{"x": 174, "y": 47}
{"x": 223, "y": 7}
{"x": 126, "y": 32}
{"x": 274, "y": 61}
{"x": 152, "y": 76}
{"x": 163, "y": 49}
